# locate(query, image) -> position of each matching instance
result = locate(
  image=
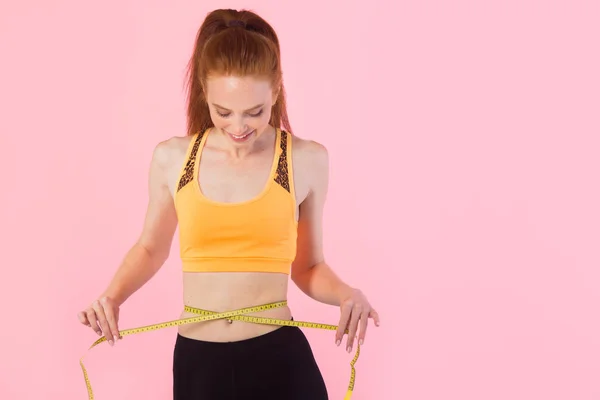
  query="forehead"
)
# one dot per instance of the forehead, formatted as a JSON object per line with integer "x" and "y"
{"x": 235, "y": 92}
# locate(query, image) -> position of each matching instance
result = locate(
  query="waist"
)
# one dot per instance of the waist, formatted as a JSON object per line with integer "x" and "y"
{"x": 224, "y": 291}
{"x": 221, "y": 292}
{"x": 236, "y": 264}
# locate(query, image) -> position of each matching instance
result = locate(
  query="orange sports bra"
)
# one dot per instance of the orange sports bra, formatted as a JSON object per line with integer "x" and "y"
{"x": 258, "y": 235}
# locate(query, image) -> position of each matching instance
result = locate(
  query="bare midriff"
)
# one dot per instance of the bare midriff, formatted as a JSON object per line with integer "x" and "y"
{"x": 228, "y": 291}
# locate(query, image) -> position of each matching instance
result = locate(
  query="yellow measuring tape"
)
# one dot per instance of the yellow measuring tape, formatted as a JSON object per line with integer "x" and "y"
{"x": 235, "y": 315}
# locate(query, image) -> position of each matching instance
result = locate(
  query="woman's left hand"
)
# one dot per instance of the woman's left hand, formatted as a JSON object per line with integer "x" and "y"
{"x": 355, "y": 312}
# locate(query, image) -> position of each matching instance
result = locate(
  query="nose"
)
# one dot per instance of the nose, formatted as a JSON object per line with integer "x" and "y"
{"x": 238, "y": 127}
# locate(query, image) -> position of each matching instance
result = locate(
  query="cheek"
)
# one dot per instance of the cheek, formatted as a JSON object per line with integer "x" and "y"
{"x": 264, "y": 118}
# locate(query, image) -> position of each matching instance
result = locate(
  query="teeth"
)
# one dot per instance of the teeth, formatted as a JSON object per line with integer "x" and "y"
{"x": 241, "y": 137}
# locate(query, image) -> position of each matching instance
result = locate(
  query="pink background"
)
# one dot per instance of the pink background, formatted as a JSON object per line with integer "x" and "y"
{"x": 464, "y": 200}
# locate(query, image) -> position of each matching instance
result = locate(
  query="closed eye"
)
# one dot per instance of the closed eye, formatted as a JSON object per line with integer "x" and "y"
{"x": 225, "y": 115}
{"x": 224, "y": 112}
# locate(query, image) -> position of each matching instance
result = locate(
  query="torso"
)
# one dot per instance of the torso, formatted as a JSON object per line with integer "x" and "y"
{"x": 224, "y": 180}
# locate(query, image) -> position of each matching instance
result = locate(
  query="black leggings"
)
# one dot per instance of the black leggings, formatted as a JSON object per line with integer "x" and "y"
{"x": 278, "y": 365}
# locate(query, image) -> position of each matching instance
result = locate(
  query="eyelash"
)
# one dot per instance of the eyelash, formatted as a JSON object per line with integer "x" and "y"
{"x": 258, "y": 114}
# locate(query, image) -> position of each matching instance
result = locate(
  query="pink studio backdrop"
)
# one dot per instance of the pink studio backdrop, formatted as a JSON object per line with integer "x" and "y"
{"x": 464, "y": 200}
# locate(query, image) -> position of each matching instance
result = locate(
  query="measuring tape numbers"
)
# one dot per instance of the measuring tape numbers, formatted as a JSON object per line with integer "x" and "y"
{"x": 235, "y": 315}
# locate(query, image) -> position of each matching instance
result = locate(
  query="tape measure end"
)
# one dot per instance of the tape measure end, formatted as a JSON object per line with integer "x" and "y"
{"x": 348, "y": 395}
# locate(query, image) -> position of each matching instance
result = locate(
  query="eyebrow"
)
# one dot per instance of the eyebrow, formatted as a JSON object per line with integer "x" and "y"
{"x": 226, "y": 109}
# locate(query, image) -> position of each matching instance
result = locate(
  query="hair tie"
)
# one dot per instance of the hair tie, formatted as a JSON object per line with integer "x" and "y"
{"x": 236, "y": 22}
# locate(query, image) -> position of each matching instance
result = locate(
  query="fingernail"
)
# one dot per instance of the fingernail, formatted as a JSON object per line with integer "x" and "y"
{"x": 349, "y": 349}
{"x": 338, "y": 342}
{"x": 361, "y": 341}
{"x": 110, "y": 342}
{"x": 116, "y": 338}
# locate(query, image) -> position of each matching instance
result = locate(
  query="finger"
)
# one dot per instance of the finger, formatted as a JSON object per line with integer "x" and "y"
{"x": 111, "y": 318}
{"x": 83, "y": 318}
{"x": 355, "y": 316}
{"x": 373, "y": 314}
{"x": 103, "y": 323}
{"x": 364, "y": 323}
{"x": 91, "y": 316}
{"x": 344, "y": 318}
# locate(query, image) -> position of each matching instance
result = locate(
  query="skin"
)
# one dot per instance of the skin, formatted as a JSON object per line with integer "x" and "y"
{"x": 232, "y": 172}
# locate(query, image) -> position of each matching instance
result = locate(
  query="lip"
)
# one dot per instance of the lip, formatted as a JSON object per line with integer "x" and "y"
{"x": 241, "y": 138}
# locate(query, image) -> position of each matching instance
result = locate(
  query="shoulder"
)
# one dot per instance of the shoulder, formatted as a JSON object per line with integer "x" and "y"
{"x": 171, "y": 151}
{"x": 310, "y": 160}
{"x": 310, "y": 155}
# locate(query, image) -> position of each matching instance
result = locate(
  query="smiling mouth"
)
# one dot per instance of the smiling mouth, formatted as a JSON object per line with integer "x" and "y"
{"x": 240, "y": 137}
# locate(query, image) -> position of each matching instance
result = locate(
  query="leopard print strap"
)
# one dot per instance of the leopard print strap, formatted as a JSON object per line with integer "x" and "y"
{"x": 188, "y": 172}
{"x": 282, "y": 172}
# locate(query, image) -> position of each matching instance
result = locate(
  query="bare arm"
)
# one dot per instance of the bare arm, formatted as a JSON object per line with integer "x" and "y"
{"x": 144, "y": 258}
{"x": 311, "y": 273}
{"x": 151, "y": 250}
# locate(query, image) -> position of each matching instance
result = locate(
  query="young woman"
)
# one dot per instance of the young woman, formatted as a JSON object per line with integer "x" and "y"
{"x": 248, "y": 197}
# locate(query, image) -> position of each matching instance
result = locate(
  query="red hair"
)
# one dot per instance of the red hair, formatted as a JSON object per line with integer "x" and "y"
{"x": 232, "y": 42}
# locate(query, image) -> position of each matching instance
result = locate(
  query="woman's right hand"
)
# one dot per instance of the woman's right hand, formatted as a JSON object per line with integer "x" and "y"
{"x": 103, "y": 317}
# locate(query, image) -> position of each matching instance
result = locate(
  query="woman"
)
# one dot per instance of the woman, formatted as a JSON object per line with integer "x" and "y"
{"x": 248, "y": 198}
